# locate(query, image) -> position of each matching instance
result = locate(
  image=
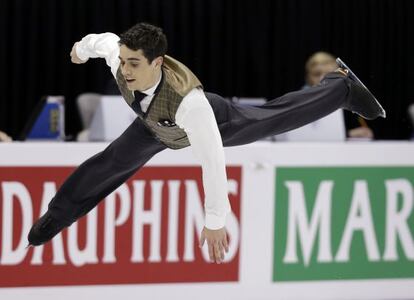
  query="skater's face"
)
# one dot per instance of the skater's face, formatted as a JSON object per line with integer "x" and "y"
{"x": 139, "y": 73}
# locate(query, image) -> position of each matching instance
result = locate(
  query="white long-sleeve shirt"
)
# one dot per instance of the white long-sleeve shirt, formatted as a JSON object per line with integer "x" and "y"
{"x": 194, "y": 115}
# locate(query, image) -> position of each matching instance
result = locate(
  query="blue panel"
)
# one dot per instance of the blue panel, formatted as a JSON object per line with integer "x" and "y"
{"x": 47, "y": 125}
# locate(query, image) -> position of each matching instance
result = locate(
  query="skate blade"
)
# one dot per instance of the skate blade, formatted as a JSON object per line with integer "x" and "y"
{"x": 351, "y": 74}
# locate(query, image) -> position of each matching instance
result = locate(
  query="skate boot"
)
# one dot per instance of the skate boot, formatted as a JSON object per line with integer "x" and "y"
{"x": 44, "y": 230}
{"x": 361, "y": 100}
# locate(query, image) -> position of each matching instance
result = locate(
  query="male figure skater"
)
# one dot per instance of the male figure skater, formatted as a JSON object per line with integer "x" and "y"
{"x": 174, "y": 112}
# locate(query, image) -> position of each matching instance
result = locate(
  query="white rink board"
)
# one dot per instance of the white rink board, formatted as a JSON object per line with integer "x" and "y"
{"x": 258, "y": 163}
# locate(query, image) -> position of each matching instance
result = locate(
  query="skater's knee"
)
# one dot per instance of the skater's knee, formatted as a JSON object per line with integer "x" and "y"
{"x": 114, "y": 156}
{"x": 119, "y": 157}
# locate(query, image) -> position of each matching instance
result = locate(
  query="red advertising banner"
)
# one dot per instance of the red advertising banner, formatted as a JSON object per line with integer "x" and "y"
{"x": 147, "y": 231}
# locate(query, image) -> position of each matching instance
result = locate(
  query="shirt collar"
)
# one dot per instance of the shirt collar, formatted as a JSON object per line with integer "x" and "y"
{"x": 152, "y": 89}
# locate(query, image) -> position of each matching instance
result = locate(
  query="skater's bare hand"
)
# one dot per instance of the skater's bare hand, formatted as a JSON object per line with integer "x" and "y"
{"x": 74, "y": 57}
{"x": 4, "y": 137}
{"x": 361, "y": 132}
{"x": 217, "y": 243}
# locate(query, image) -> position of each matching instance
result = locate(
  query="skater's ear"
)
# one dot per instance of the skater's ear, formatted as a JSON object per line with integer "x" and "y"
{"x": 158, "y": 61}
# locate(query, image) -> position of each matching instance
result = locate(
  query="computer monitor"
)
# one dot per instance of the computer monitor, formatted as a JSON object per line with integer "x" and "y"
{"x": 330, "y": 128}
{"x": 110, "y": 119}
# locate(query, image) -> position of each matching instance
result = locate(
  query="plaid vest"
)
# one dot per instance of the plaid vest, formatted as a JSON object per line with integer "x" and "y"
{"x": 177, "y": 81}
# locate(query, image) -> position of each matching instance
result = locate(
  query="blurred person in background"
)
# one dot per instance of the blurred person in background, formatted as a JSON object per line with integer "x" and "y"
{"x": 4, "y": 137}
{"x": 411, "y": 116}
{"x": 317, "y": 66}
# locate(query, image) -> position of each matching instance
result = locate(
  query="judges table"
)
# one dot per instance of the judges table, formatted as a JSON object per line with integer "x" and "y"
{"x": 308, "y": 221}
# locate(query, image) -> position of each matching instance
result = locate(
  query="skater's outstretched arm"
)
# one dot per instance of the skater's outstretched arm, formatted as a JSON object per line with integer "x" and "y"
{"x": 196, "y": 117}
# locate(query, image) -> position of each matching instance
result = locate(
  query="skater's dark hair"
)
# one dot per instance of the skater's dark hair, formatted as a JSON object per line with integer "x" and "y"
{"x": 149, "y": 38}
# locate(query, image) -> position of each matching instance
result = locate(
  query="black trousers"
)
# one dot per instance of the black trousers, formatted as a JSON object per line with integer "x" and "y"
{"x": 238, "y": 124}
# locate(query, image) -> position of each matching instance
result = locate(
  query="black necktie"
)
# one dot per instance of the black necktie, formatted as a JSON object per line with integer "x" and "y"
{"x": 136, "y": 106}
{"x": 139, "y": 96}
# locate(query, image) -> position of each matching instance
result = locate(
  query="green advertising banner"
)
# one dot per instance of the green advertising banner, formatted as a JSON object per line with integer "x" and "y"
{"x": 334, "y": 223}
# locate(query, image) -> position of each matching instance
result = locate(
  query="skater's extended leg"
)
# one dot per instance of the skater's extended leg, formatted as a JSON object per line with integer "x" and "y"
{"x": 95, "y": 179}
{"x": 242, "y": 124}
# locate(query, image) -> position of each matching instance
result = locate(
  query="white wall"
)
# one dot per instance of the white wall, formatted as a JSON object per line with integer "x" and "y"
{"x": 259, "y": 165}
